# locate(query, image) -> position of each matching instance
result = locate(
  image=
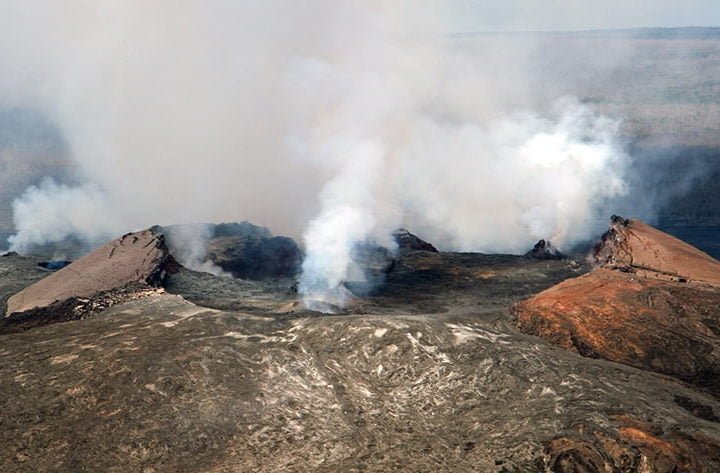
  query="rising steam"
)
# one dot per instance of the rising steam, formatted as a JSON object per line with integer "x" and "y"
{"x": 188, "y": 245}
{"x": 340, "y": 121}
{"x": 53, "y": 212}
{"x": 499, "y": 188}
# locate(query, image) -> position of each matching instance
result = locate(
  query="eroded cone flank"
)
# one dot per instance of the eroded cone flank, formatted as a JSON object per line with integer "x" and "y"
{"x": 140, "y": 257}
{"x": 651, "y": 302}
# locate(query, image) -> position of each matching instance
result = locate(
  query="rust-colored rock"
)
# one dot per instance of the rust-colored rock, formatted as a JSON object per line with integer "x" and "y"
{"x": 631, "y": 445}
{"x": 140, "y": 257}
{"x": 631, "y": 244}
{"x": 652, "y": 303}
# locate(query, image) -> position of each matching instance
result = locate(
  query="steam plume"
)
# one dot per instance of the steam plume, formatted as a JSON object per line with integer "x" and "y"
{"x": 187, "y": 243}
{"x": 54, "y": 212}
{"x": 340, "y": 121}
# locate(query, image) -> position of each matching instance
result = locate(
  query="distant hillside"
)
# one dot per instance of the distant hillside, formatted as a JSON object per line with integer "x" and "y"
{"x": 679, "y": 33}
{"x": 663, "y": 83}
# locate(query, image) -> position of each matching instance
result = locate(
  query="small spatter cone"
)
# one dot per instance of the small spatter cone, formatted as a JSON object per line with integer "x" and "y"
{"x": 544, "y": 250}
{"x": 409, "y": 241}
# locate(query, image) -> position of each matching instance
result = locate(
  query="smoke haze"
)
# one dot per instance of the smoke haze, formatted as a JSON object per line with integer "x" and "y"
{"x": 337, "y": 121}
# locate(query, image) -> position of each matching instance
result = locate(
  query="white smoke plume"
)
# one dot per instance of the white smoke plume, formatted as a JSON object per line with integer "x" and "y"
{"x": 42, "y": 214}
{"x": 340, "y": 121}
{"x": 407, "y": 148}
{"x": 188, "y": 246}
{"x": 530, "y": 178}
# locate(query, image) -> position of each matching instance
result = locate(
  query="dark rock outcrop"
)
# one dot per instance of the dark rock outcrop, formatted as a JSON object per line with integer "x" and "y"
{"x": 54, "y": 265}
{"x": 244, "y": 250}
{"x": 409, "y": 241}
{"x": 140, "y": 257}
{"x": 74, "y": 308}
{"x": 239, "y": 229}
{"x": 651, "y": 303}
{"x": 256, "y": 258}
{"x": 544, "y": 250}
{"x": 376, "y": 261}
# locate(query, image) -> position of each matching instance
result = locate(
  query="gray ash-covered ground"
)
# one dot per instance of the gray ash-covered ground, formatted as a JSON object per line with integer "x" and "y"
{"x": 419, "y": 282}
{"x": 427, "y": 374}
{"x": 16, "y": 273}
{"x": 225, "y": 293}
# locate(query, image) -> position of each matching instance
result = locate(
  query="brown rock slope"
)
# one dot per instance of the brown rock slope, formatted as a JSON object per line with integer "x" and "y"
{"x": 654, "y": 254}
{"x": 136, "y": 258}
{"x": 652, "y": 303}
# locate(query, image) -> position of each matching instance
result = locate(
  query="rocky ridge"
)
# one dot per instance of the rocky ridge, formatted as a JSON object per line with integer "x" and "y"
{"x": 135, "y": 258}
{"x": 651, "y": 302}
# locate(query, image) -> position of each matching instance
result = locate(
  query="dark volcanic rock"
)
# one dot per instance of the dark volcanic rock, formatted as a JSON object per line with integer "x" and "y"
{"x": 239, "y": 229}
{"x": 256, "y": 258}
{"x": 544, "y": 250}
{"x": 651, "y": 303}
{"x": 244, "y": 250}
{"x": 140, "y": 257}
{"x": 409, "y": 241}
{"x": 74, "y": 308}
{"x": 376, "y": 262}
{"x": 54, "y": 265}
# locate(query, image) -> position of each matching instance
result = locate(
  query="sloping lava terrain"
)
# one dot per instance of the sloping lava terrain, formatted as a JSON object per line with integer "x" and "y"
{"x": 428, "y": 373}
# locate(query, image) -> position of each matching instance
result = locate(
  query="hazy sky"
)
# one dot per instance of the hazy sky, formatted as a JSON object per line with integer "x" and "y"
{"x": 477, "y": 15}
